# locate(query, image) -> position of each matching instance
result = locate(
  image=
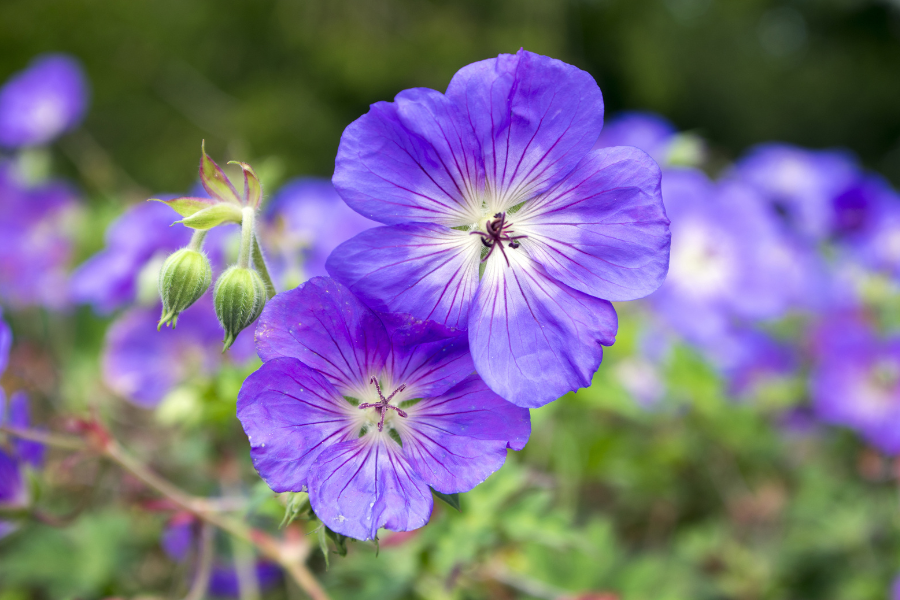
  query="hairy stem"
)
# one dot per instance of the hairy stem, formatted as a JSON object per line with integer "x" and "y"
{"x": 248, "y": 224}
{"x": 197, "y": 238}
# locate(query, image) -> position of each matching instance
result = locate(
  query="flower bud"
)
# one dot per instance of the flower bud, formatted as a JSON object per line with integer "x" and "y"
{"x": 239, "y": 298}
{"x": 183, "y": 278}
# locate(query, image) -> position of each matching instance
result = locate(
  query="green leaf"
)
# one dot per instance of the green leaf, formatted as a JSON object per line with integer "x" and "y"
{"x": 323, "y": 543}
{"x": 212, "y": 216}
{"x": 451, "y": 499}
{"x": 340, "y": 541}
{"x": 186, "y": 206}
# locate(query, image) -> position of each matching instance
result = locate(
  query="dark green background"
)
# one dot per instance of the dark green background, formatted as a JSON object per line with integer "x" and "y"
{"x": 284, "y": 77}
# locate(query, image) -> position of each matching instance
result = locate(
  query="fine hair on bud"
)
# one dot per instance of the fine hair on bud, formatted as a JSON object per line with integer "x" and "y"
{"x": 183, "y": 278}
{"x": 240, "y": 297}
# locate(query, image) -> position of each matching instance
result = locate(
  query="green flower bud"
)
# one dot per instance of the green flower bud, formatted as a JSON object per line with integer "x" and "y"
{"x": 239, "y": 298}
{"x": 183, "y": 278}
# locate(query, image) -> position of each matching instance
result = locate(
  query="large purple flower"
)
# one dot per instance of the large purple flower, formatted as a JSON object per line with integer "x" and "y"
{"x": 500, "y": 219}
{"x": 35, "y": 245}
{"x": 304, "y": 221}
{"x": 43, "y": 101}
{"x": 856, "y": 380}
{"x": 367, "y": 410}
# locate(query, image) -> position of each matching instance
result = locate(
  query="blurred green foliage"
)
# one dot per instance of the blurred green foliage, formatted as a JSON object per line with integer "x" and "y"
{"x": 703, "y": 497}
{"x": 284, "y": 77}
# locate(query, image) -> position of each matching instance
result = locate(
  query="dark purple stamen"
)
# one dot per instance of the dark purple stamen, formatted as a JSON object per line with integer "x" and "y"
{"x": 497, "y": 233}
{"x": 383, "y": 403}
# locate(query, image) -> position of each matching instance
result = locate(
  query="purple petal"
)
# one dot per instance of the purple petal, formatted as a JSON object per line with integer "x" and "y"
{"x": 178, "y": 538}
{"x": 359, "y": 486}
{"x": 290, "y": 413}
{"x": 603, "y": 230}
{"x": 31, "y": 453}
{"x": 535, "y": 118}
{"x": 428, "y": 369}
{"x": 328, "y": 328}
{"x": 456, "y": 440}
{"x": 427, "y": 270}
{"x": 414, "y": 159}
{"x": 43, "y": 101}
{"x": 533, "y": 338}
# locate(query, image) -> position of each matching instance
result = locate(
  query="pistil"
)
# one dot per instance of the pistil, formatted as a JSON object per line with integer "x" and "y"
{"x": 496, "y": 232}
{"x": 384, "y": 404}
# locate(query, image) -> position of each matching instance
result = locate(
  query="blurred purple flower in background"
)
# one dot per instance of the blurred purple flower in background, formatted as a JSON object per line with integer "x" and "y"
{"x": 43, "y": 101}
{"x": 35, "y": 226}
{"x": 855, "y": 381}
{"x": 648, "y": 131}
{"x": 304, "y": 221}
{"x": 366, "y": 411}
{"x": 730, "y": 261}
{"x": 109, "y": 279}
{"x": 500, "y": 219}
{"x": 802, "y": 186}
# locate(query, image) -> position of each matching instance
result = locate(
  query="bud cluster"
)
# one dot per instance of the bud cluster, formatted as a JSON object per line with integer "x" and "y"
{"x": 242, "y": 290}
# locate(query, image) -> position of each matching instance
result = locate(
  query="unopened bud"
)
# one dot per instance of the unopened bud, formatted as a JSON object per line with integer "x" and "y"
{"x": 239, "y": 298}
{"x": 183, "y": 278}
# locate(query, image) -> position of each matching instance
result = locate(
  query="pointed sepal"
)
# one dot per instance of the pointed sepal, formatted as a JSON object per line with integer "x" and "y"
{"x": 252, "y": 186}
{"x": 214, "y": 180}
{"x": 213, "y": 216}
{"x": 186, "y": 206}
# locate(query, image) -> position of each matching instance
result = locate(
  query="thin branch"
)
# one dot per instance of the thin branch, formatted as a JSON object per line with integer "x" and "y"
{"x": 204, "y": 564}
{"x": 291, "y": 557}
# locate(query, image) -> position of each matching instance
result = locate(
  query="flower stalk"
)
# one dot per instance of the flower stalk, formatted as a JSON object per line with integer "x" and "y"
{"x": 290, "y": 556}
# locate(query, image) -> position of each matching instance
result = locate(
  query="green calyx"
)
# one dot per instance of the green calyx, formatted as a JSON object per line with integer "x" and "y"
{"x": 183, "y": 278}
{"x": 240, "y": 297}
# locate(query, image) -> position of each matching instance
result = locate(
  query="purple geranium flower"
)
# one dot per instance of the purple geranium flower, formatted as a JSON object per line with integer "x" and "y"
{"x": 45, "y": 100}
{"x": 35, "y": 248}
{"x": 304, "y": 221}
{"x": 367, "y": 410}
{"x": 856, "y": 380}
{"x": 500, "y": 219}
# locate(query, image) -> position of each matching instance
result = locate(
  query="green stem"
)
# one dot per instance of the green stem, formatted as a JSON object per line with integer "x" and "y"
{"x": 197, "y": 239}
{"x": 259, "y": 261}
{"x": 248, "y": 222}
